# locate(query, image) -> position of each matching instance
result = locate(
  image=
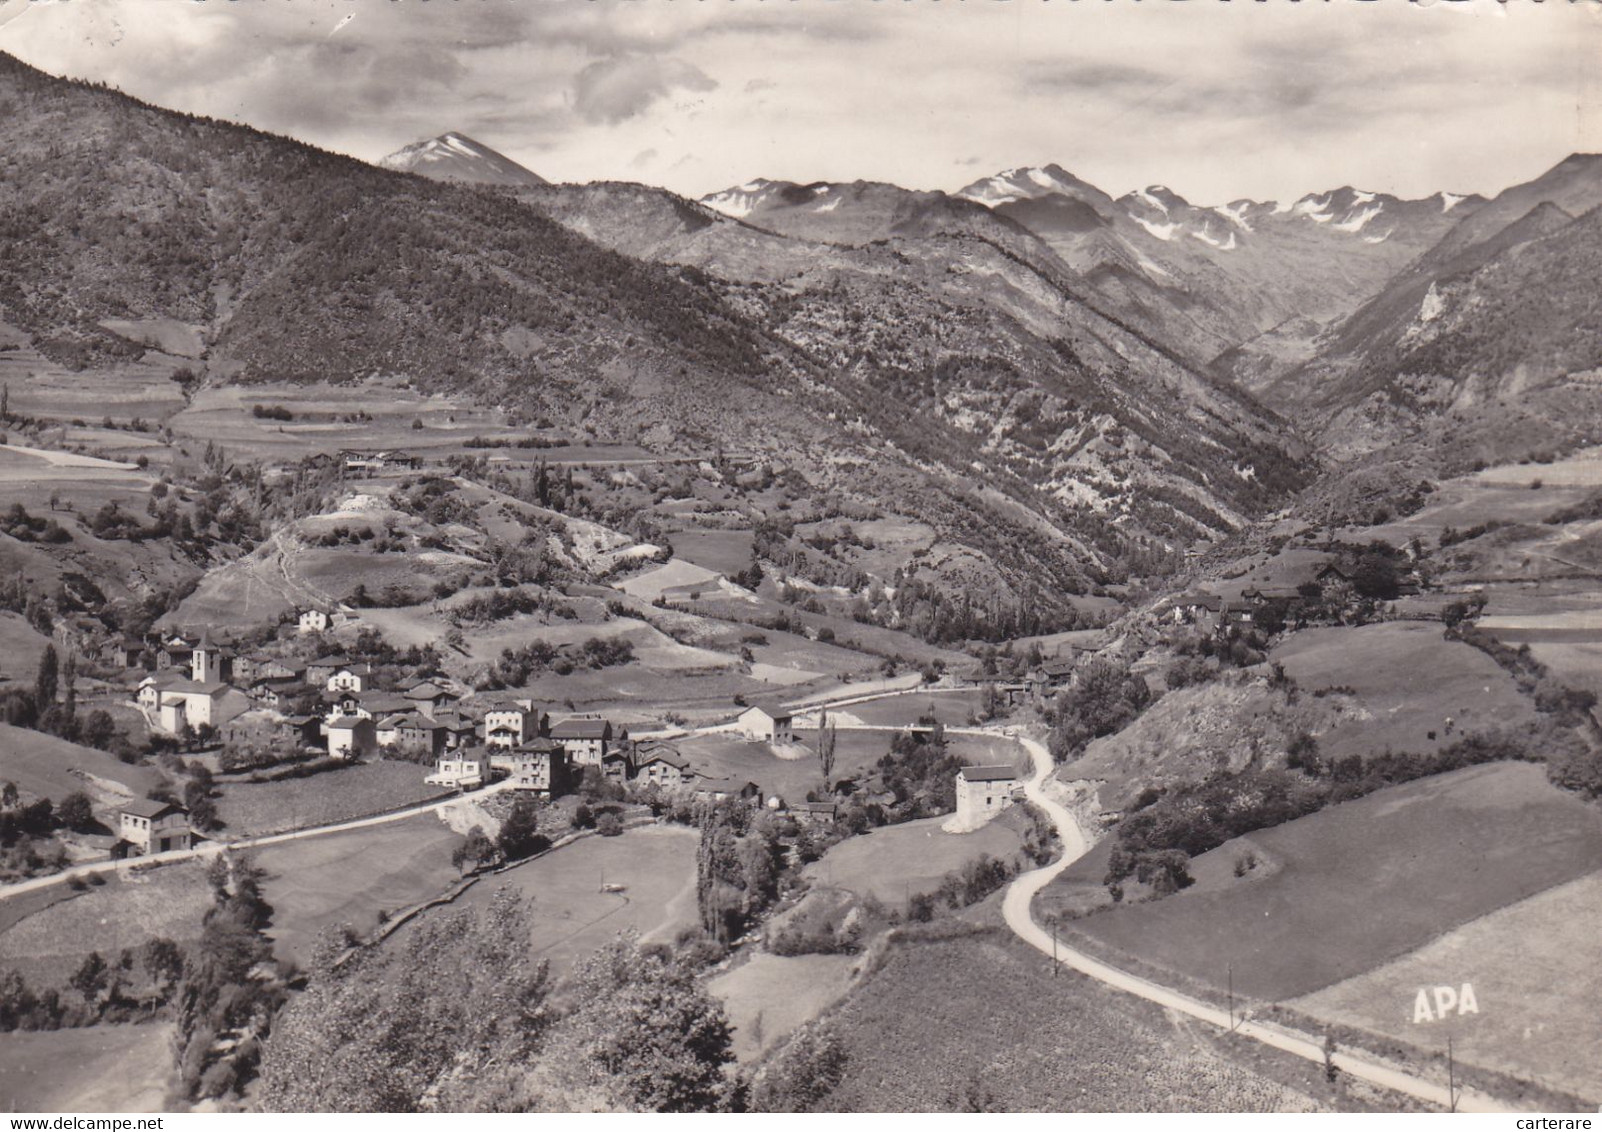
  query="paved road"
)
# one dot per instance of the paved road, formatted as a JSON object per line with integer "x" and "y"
{"x": 212, "y": 848}
{"x": 1016, "y": 908}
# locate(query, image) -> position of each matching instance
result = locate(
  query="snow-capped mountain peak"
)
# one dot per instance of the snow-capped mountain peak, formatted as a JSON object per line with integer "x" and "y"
{"x": 740, "y": 201}
{"x": 454, "y": 156}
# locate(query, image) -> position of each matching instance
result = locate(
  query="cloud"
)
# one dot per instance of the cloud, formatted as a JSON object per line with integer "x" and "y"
{"x": 642, "y": 159}
{"x": 610, "y": 90}
{"x": 756, "y": 86}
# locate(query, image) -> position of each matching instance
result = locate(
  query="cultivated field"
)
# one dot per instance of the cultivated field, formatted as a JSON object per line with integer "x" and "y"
{"x": 31, "y": 476}
{"x": 252, "y": 808}
{"x": 130, "y": 908}
{"x": 53, "y": 768}
{"x": 954, "y": 709}
{"x": 41, "y": 388}
{"x": 125, "y": 1068}
{"x": 768, "y": 996}
{"x": 722, "y": 552}
{"x": 20, "y": 648}
{"x": 573, "y": 917}
{"x": 1407, "y": 681}
{"x": 348, "y": 878}
{"x": 1583, "y": 469}
{"x": 322, "y": 420}
{"x": 1359, "y": 884}
{"x": 896, "y": 862}
{"x": 1536, "y": 977}
{"x": 728, "y": 756}
{"x": 978, "y": 1022}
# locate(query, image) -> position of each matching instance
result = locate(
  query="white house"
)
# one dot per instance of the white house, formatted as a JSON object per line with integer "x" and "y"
{"x": 509, "y": 724}
{"x": 983, "y": 791}
{"x": 766, "y": 725}
{"x": 314, "y": 621}
{"x": 151, "y": 687}
{"x": 185, "y": 701}
{"x": 351, "y": 678}
{"x": 463, "y": 768}
{"x": 148, "y": 826}
{"x": 351, "y": 736}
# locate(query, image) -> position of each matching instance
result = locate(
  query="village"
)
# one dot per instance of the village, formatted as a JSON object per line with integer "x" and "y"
{"x": 208, "y": 694}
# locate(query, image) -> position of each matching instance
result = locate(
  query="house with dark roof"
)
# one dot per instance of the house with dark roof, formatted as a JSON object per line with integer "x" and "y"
{"x": 586, "y": 738}
{"x": 814, "y": 813}
{"x": 429, "y": 697}
{"x": 147, "y": 826}
{"x": 663, "y": 767}
{"x": 721, "y": 789}
{"x": 350, "y": 737}
{"x": 766, "y": 723}
{"x": 319, "y": 670}
{"x": 541, "y": 768}
{"x": 983, "y": 791}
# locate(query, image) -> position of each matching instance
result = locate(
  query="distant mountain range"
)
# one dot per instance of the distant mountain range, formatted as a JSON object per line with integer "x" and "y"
{"x": 1069, "y": 387}
{"x": 1205, "y": 281}
{"x": 1353, "y": 311}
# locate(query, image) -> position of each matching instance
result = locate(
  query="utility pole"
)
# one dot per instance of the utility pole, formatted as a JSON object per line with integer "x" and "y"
{"x": 1232, "y": 998}
{"x": 1054, "y": 963}
{"x": 1451, "y": 1076}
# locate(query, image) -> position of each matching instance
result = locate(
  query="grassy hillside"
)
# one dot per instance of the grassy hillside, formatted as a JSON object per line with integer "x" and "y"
{"x": 977, "y": 1023}
{"x": 1341, "y": 891}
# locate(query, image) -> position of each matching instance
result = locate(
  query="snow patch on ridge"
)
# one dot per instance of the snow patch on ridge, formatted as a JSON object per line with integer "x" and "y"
{"x": 1161, "y": 231}
{"x": 1207, "y": 237}
{"x": 1146, "y": 196}
{"x": 1041, "y": 178}
{"x": 1355, "y": 223}
{"x": 1450, "y": 200}
{"x": 1235, "y": 213}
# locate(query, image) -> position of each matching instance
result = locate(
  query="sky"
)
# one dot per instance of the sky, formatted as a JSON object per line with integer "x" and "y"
{"x": 1217, "y": 99}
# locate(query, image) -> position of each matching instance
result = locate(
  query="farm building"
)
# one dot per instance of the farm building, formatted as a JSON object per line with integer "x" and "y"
{"x": 147, "y": 826}
{"x": 982, "y": 791}
{"x": 124, "y": 652}
{"x": 1197, "y": 608}
{"x": 587, "y": 738}
{"x": 317, "y": 620}
{"x": 1053, "y": 674}
{"x": 720, "y": 789}
{"x": 663, "y": 767}
{"x": 274, "y": 691}
{"x": 319, "y": 670}
{"x": 814, "y": 813}
{"x": 430, "y": 698}
{"x": 770, "y": 724}
{"x": 351, "y": 737}
{"x": 414, "y": 732}
{"x": 617, "y": 765}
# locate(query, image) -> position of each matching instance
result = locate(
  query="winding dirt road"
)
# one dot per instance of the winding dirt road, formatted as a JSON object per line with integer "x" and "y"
{"x": 1016, "y": 908}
